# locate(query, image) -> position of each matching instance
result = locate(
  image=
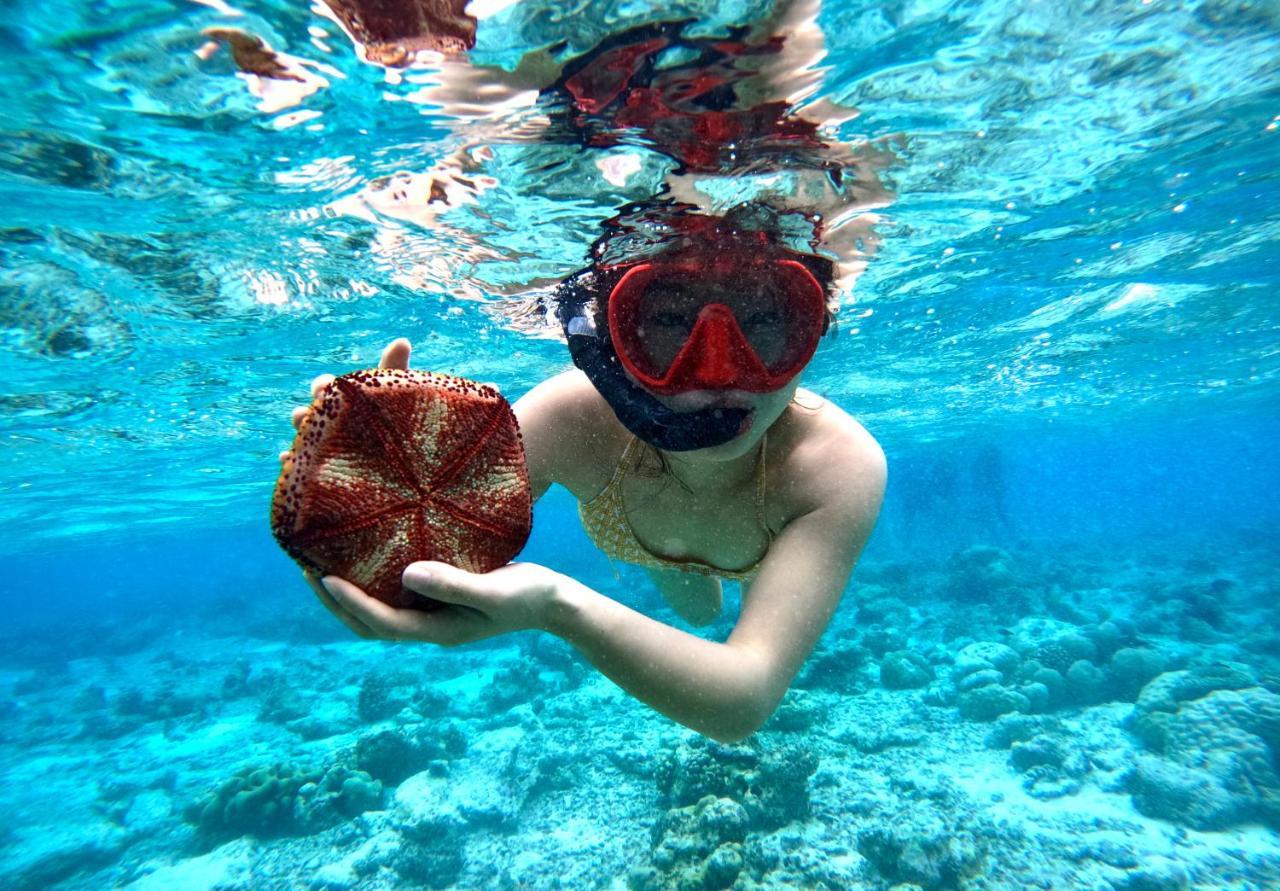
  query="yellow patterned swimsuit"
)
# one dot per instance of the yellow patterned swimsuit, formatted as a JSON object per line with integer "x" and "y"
{"x": 605, "y": 520}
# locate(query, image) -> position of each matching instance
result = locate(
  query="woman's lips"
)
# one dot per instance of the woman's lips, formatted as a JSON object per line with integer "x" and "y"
{"x": 698, "y": 400}
{"x": 718, "y": 402}
{"x": 744, "y": 425}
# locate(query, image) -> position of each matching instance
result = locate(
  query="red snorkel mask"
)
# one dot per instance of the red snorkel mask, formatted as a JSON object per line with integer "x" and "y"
{"x": 735, "y": 322}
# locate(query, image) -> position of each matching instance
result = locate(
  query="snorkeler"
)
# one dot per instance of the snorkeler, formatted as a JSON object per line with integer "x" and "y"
{"x": 683, "y": 433}
{"x": 692, "y": 451}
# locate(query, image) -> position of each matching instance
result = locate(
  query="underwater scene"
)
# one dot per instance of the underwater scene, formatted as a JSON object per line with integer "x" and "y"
{"x": 1039, "y": 248}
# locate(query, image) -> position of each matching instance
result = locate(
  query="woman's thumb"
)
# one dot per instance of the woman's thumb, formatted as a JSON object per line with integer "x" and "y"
{"x": 396, "y": 355}
{"x": 439, "y": 581}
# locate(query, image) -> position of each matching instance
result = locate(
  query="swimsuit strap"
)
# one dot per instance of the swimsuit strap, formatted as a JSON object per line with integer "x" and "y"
{"x": 620, "y": 472}
{"x": 607, "y": 525}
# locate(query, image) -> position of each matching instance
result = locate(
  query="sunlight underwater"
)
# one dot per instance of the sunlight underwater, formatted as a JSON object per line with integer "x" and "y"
{"x": 1058, "y": 665}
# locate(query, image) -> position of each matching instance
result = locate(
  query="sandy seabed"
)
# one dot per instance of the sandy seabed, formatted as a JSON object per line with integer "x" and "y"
{"x": 994, "y": 720}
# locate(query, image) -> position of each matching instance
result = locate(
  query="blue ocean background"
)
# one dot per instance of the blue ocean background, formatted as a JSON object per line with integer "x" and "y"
{"x": 1057, "y": 666}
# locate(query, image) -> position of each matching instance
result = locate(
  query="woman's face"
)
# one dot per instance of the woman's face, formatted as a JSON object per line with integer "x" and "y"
{"x": 766, "y": 333}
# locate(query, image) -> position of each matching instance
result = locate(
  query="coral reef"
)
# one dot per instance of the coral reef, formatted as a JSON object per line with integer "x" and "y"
{"x": 934, "y": 842}
{"x": 834, "y": 667}
{"x": 430, "y": 853}
{"x": 983, "y": 574}
{"x": 383, "y": 695}
{"x": 1216, "y": 739}
{"x": 282, "y": 799}
{"x": 695, "y": 847}
{"x": 770, "y": 783}
{"x": 717, "y": 795}
{"x": 394, "y": 755}
{"x": 1067, "y": 669}
{"x": 905, "y": 670}
{"x": 513, "y": 766}
{"x": 799, "y": 712}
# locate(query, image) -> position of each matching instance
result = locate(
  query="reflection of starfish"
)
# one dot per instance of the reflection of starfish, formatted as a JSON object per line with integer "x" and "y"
{"x": 397, "y": 466}
{"x": 395, "y": 32}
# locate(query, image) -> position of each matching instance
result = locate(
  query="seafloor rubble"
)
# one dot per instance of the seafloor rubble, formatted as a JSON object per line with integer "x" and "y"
{"x": 995, "y": 720}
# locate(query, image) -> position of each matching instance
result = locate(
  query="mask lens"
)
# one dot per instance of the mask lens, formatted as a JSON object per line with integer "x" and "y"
{"x": 776, "y": 307}
{"x": 664, "y": 319}
{"x": 759, "y": 306}
{"x": 669, "y": 309}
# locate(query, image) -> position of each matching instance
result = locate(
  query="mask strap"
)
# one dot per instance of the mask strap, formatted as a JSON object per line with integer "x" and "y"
{"x": 642, "y": 414}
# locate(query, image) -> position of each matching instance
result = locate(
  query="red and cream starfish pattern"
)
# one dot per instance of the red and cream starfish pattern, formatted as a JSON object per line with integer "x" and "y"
{"x": 396, "y": 466}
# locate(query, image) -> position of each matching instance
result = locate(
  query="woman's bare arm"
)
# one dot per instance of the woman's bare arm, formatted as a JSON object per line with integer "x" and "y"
{"x": 728, "y": 690}
{"x": 710, "y": 687}
{"x": 723, "y": 690}
{"x": 795, "y": 595}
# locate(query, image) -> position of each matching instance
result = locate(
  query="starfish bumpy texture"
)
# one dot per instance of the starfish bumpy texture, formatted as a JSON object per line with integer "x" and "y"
{"x": 396, "y": 466}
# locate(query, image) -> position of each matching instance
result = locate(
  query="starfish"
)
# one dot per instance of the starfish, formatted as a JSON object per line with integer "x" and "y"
{"x": 395, "y": 466}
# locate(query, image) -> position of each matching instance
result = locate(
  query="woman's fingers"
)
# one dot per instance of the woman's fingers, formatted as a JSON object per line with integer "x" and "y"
{"x": 383, "y": 620}
{"x": 319, "y": 383}
{"x": 300, "y": 413}
{"x": 396, "y": 355}
{"x": 443, "y": 582}
{"x": 334, "y": 607}
{"x": 371, "y": 618}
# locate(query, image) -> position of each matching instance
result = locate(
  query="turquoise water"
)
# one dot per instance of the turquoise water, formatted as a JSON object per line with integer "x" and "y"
{"x": 1066, "y": 344}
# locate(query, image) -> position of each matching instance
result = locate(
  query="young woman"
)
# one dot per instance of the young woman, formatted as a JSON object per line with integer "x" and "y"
{"x": 683, "y": 433}
{"x": 692, "y": 451}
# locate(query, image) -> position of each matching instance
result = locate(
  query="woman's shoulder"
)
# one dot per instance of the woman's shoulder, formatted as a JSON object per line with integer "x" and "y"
{"x": 826, "y": 456}
{"x": 567, "y": 398}
{"x": 820, "y": 429}
{"x": 570, "y": 435}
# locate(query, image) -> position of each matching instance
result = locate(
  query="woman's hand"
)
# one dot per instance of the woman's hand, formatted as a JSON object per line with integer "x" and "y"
{"x": 396, "y": 355}
{"x": 515, "y": 597}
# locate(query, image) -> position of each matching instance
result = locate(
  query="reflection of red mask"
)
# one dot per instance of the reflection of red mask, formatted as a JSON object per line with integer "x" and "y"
{"x": 733, "y": 323}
